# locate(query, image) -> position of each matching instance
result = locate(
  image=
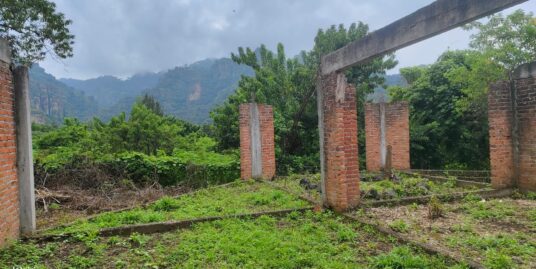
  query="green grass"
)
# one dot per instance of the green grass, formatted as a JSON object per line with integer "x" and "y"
{"x": 240, "y": 197}
{"x": 499, "y": 250}
{"x": 407, "y": 186}
{"x": 300, "y": 240}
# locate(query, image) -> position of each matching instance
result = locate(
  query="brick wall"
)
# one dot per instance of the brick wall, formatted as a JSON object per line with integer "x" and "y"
{"x": 245, "y": 143}
{"x": 526, "y": 114}
{"x": 339, "y": 131}
{"x": 512, "y": 130}
{"x": 267, "y": 140}
{"x": 266, "y": 125}
{"x": 372, "y": 137}
{"x": 9, "y": 203}
{"x": 500, "y": 135}
{"x": 397, "y": 134}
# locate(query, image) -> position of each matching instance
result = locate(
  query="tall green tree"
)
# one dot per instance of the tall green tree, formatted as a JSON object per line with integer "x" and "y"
{"x": 440, "y": 136}
{"x": 151, "y": 103}
{"x": 448, "y": 120}
{"x": 33, "y": 29}
{"x": 508, "y": 41}
{"x": 288, "y": 84}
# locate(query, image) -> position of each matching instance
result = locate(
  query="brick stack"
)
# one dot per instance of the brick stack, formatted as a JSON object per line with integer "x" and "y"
{"x": 396, "y": 134}
{"x": 339, "y": 124}
{"x": 9, "y": 203}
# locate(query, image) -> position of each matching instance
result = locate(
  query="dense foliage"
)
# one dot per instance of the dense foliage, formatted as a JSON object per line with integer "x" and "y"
{"x": 145, "y": 147}
{"x": 33, "y": 29}
{"x": 288, "y": 84}
{"x": 448, "y": 99}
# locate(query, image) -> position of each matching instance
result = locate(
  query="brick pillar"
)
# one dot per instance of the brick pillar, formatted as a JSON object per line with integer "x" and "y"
{"x": 500, "y": 119}
{"x": 525, "y": 85}
{"x": 257, "y": 148}
{"x": 395, "y": 121}
{"x": 9, "y": 192}
{"x": 338, "y": 142}
{"x": 512, "y": 130}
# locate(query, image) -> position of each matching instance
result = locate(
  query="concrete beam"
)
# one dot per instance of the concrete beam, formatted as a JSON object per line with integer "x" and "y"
{"x": 434, "y": 19}
{"x": 24, "y": 150}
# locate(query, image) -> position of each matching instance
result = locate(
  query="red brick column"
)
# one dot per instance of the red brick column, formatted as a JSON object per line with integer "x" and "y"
{"x": 338, "y": 140}
{"x": 512, "y": 130}
{"x": 525, "y": 84}
{"x": 9, "y": 193}
{"x": 245, "y": 143}
{"x": 500, "y": 119}
{"x": 257, "y": 116}
{"x": 267, "y": 140}
{"x": 372, "y": 137}
{"x": 396, "y": 134}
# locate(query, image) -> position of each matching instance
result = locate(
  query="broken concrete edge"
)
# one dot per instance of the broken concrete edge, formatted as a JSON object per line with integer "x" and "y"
{"x": 430, "y": 249}
{"x": 527, "y": 70}
{"x": 300, "y": 196}
{"x": 443, "y": 197}
{"x": 5, "y": 51}
{"x": 142, "y": 206}
{"x": 162, "y": 227}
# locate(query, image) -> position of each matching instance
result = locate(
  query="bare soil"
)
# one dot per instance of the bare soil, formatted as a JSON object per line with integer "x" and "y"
{"x": 65, "y": 204}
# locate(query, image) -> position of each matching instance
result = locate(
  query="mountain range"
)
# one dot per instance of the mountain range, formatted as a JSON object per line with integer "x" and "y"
{"x": 188, "y": 92}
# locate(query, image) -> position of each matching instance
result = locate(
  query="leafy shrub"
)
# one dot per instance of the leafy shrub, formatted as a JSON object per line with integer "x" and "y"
{"x": 169, "y": 170}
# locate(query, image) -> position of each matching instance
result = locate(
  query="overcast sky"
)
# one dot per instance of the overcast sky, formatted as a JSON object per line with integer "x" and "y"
{"x": 124, "y": 37}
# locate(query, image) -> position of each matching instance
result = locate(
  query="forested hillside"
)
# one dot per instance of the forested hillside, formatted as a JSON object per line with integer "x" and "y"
{"x": 108, "y": 90}
{"x": 187, "y": 92}
{"x": 52, "y": 100}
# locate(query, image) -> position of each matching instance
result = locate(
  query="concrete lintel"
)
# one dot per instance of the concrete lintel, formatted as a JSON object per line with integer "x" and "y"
{"x": 5, "y": 51}
{"x": 24, "y": 150}
{"x": 527, "y": 70}
{"x": 436, "y": 18}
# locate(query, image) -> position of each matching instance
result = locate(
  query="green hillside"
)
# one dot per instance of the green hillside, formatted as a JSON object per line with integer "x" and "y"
{"x": 51, "y": 100}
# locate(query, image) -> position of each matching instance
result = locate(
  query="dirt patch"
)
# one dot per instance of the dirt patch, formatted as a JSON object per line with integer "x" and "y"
{"x": 496, "y": 231}
{"x": 63, "y": 205}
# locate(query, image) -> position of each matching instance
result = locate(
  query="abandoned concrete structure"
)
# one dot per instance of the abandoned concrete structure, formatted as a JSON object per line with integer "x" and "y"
{"x": 387, "y": 124}
{"x": 340, "y": 171}
{"x": 512, "y": 121}
{"x": 17, "y": 203}
{"x": 257, "y": 149}
{"x": 512, "y": 129}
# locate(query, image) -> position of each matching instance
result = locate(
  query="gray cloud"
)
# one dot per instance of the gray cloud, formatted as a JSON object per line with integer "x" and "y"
{"x": 123, "y": 37}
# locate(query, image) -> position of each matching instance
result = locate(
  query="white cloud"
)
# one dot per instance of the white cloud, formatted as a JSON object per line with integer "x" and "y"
{"x": 123, "y": 37}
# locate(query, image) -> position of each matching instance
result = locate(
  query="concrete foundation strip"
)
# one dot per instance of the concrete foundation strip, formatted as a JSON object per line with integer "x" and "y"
{"x": 459, "y": 182}
{"x": 161, "y": 227}
{"x": 90, "y": 217}
{"x": 444, "y": 197}
{"x": 431, "y": 249}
